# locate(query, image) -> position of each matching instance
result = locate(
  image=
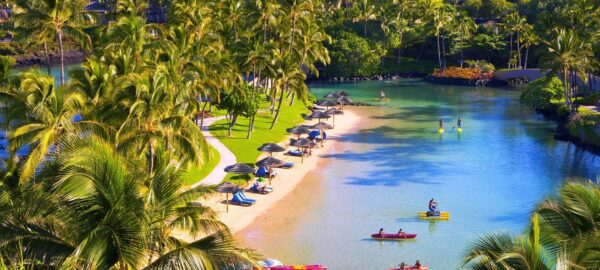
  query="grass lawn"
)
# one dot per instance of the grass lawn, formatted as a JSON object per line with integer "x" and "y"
{"x": 246, "y": 150}
{"x": 198, "y": 173}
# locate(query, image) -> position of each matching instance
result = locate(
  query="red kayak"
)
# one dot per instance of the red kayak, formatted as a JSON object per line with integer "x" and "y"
{"x": 393, "y": 236}
{"x": 412, "y": 268}
{"x": 303, "y": 267}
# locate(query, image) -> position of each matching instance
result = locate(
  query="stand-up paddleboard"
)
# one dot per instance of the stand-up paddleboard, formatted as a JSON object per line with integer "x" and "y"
{"x": 459, "y": 130}
{"x": 440, "y": 130}
{"x": 381, "y": 100}
{"x": 434, "y": 216}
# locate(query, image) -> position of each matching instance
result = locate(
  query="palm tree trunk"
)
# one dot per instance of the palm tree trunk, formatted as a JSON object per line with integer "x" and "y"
{"x": 47, "y": 58}
{"x": 62, "y": 58}
{"x": 519, "y": 51}
{"x": 250, "y": 127}
{"x": 293, "y": 97}
{"x": 293, "y": 30}
{"x": 365, "y": 27}
{"x": 232, "y": 123}
{"x": 526, "y": 56}
{"x": 151, "y": 157}
{"x": 511, "y": 50}
{"x": 566, "y": 85}
{"x": 444, "y": 51}
{"x": 438, "y": 50}
{"x": 278, "y": 108}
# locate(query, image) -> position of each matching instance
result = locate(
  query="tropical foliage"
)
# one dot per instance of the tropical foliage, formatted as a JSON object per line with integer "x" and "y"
{"x": 543, "y": 94}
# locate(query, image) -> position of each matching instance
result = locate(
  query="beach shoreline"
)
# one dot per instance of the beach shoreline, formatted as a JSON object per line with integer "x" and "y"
{"x": 241, "y": 217}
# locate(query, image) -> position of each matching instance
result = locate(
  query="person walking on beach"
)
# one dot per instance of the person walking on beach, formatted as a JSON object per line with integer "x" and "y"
{"x": 323, "y": 137}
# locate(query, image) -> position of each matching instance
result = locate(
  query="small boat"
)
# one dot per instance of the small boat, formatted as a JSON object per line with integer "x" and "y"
{"x": 393, "y": 236}
{"x": 436, "y": 215}
{"x": 298, "y": 267}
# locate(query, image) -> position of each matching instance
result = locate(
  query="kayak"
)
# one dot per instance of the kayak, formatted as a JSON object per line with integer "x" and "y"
{"x": 438, "y": 215}
{"x": 440, "y": 130}
{"x": 297, "y": 267}
{"x": 422, "y": 267}
{"x": 393, "y": 236}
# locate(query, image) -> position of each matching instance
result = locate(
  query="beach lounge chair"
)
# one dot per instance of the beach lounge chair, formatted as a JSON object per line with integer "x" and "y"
{"x": 286, "y": 165}
{"x": 239, "y": 200}
{"x": 264, "y": 172}
{"x": 243, "y": 196}
{"x": 296, "y": 153}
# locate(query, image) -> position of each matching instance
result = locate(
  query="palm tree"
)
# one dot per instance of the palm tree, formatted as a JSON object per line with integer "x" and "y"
{"x": 569, "y": 56}
{"x": 57, "y": 19}
{"x": 466, "y": 27}
{"x": 288, "y": 78}
{"x": 367, "y": 12}
{"x": 49, "y": 118}
{"x": 400, "y": 22}
{"x": 528, "y": 39}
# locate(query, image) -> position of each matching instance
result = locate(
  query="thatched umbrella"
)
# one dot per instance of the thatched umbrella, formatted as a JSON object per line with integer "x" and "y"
{"x": 341, "y": 93}
{"x": 331, "y": 95}
{"x": 299, "y": 130}
{"x": 271, "y": 147}
{"x": 333, "y": 112}
{"x": 320, "y": 115}
{"x": 269, "y": 162}
{"x": 321, "y": 125}
{"x": 227, "y": 188}
{"x": 327, "y": 103}
{"x": 344, "y": 100}
{"x": 239, "y": 168}
{"x": 303, "y": 144}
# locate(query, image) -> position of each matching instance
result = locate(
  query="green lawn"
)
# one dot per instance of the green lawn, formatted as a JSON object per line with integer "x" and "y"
{"x": 246, "y": 150}
{"x": 198, "y": 173}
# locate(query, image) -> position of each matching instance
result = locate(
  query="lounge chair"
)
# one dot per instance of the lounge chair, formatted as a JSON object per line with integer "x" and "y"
{"x": 243, "y": 196}
{"x": 239, "y": 200}
{"x": 286, "y": 165}
{"x": 296, "y": 153}
{"x": 264, "y": 172}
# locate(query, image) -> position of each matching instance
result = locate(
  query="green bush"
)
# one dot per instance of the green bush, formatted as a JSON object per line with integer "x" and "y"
{"x": 7, "y": 49}
{"x": 351, "y": 55}
{"x": 542, "y": 93}
{"x": 590, "y": 100}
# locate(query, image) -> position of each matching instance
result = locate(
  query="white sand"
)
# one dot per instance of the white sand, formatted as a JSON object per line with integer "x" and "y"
{"x": 239, "y": 217}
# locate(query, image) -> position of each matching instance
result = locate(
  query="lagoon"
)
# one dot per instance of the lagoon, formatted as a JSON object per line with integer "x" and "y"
{"x": 489, "y": 177}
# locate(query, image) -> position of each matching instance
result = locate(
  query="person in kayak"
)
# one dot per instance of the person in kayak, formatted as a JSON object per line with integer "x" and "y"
{"x": 400, "y": 232}
{"x": 418, "y": 264}
{"x": 402, "y": 266}
{"x": 381, "y": 231}
{"x": 432, "y": 207}
{"x": 459, "y": 122}
{"x": 381, "y": 95}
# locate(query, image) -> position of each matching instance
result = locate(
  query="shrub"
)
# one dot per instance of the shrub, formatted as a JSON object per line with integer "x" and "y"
{"x": 590, "y": 100}
{"x": 470, "y": 73}
{"x": 7, "y": 49}
{"x": 351, "y": 55}
{"x": 542, "y": 93}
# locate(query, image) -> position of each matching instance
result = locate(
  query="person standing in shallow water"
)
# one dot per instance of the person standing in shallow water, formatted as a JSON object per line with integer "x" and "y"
{"x": 441, "y": 124}
{"x": 459, "y": 122}
{"x": 381, "y": 95}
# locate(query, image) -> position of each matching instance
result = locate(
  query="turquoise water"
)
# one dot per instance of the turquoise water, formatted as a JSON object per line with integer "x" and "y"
{"x": 55, "y": 71}
{"x": 489, "y": 178}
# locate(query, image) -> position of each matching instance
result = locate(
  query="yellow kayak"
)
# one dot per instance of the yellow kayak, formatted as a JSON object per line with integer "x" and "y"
{"x": 441, "y": 216}
{"x": 441, "y": 130}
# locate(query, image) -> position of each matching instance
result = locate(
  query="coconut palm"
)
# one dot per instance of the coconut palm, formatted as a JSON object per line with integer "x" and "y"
{"x": 49, "y": 118}
{"x": 367, "y": 12}
{"x": 288, "y": 78}
{"x": 569, "y": 56}
{"x": 58, "y": 19}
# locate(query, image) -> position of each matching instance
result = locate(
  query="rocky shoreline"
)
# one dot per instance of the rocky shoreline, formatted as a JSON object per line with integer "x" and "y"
{"x": 464, "y": 82}
{"x": 379, "y": 77}
{"x": 39, "y": 59}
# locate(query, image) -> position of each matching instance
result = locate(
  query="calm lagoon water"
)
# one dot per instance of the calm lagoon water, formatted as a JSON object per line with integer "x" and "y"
{"x": 489, "y": 178}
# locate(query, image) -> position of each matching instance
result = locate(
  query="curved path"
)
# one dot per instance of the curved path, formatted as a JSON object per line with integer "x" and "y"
{"x": 227, "y": 157}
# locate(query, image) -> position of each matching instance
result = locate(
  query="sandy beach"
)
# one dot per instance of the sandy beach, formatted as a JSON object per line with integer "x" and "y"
{"x": 240, "y": 217}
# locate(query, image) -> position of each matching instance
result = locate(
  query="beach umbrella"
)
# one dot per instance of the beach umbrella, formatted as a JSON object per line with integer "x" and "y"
{"x": 315, "y": 108}
{"x": 227, "y": 188}
{"x": 269, "y": 162}
{"x": 298, "y": 130}
{"x": 271, "y": 147}
{"x": 333, "y": 112}
{"x": 321, "y": 125}
{"x": 239, "y": 168}
{"x": 344, "y": 100}
{"x": 320, "y": 115}
{"x": 327, "y": 103}
{"x": 303, "y": 143}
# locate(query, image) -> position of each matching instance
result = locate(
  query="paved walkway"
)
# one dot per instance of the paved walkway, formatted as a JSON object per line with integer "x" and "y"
{"x": 227, "y": 157}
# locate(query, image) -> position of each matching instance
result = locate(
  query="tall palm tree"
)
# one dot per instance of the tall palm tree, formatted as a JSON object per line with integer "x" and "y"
{"x": 569, "y": 56}
{"x": 49, "y": 117}
{"x": 367, "y": 12}
{"x": 58, "y": 19}
{"x": 288, "y": 78}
